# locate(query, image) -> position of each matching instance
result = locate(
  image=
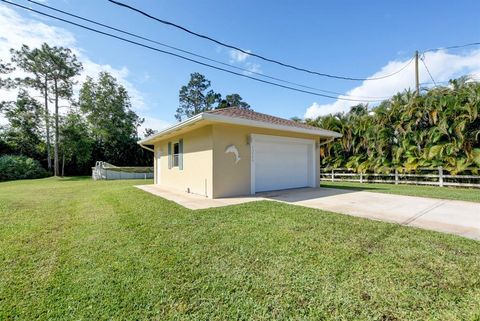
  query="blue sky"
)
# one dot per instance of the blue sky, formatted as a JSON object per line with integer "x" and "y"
{"x": 351, "y": 38}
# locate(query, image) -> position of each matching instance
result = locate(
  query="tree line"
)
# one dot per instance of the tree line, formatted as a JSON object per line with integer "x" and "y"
{"x": 67, "y": 131}
{"x": 439, "y": 127}
{"x": 97, "y": 125}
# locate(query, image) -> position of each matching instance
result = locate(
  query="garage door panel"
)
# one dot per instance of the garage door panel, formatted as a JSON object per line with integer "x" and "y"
{"x": 282, "y": 165}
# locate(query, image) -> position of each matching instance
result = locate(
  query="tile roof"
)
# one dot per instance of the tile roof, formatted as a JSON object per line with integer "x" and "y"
{"x": 240, "y": 114}
{"x": 253, "y": 115}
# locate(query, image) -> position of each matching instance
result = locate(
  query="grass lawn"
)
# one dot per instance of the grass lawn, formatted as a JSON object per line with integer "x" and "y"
{"x": 74, "y": 249}
{"x": 451, "y": 193}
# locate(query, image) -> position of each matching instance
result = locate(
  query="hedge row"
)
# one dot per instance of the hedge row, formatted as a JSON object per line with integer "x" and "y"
{"x": 20, "y": 167}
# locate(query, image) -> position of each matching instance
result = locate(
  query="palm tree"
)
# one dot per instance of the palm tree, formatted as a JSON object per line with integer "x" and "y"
{"x": 440, "y": 127}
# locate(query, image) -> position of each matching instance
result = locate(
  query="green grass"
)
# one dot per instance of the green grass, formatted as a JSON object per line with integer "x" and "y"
{"x": 74, "y": 249}
{"x": 451, "y": 193}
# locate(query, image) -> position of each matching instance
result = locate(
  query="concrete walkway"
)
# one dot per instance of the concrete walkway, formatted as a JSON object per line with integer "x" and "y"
{"x": 455, "y": 217}
{"x": 194, "y": 201}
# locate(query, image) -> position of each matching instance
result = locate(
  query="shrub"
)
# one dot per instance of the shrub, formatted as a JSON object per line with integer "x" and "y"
{"x": 20, "y": 167}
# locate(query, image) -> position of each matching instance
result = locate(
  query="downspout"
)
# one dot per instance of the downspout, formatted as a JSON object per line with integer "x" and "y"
{"x": 154, "y": 162}
{"x": 147, "y": 148}
{"x": 326, "y": 142}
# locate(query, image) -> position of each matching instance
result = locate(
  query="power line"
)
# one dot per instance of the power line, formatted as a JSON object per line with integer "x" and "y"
{"x": 185, "y": 58}
{"x": 197, "y": 55}
{"x": 435, "y": 83}
{"x": 443, "y": 48}
{"x": 254, "y": 54}
{"x": 453, "y": 47}
{"x": 428, "y": 71}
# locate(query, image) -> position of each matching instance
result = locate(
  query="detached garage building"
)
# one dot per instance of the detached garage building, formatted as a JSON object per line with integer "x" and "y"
{"x": 233, "y": 152}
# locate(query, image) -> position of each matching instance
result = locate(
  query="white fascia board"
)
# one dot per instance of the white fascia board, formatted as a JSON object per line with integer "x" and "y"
{"x": 281, "y": 139}
{"x": 238, "y": 121}
{"x": 261, "y": 124}
{"x": 169, "y": 130}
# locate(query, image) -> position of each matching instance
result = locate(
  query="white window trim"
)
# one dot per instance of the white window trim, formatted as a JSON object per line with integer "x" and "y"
{"x": 175, "y": 142}
{"x": 173, "y": 154}
{"x": 283, "y": 139}
{"x": 158, "y": 165}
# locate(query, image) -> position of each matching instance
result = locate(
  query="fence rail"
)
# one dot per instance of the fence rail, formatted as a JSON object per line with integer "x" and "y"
{"x": 422, "y": 176}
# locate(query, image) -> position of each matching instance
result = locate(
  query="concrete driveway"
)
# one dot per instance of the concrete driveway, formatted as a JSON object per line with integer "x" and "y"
{"x": 455, "y": 217}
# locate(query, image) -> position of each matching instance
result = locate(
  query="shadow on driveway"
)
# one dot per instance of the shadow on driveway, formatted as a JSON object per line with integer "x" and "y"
{"x": 303, "y": 194}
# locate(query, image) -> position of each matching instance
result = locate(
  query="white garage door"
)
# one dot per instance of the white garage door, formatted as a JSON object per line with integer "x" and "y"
{"x": 281, "y": 163}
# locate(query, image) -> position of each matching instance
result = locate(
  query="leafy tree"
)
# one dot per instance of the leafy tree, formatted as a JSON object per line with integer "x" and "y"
{"x": 440, "y": 127}
{"x": 20, "y": 167}
{"x": 196, "y": 97}
{"x": 34, "y": 62}
{"x": 233, "y": 100}
{"x": 23, "y": 134}
{"x": 149, "y": 132}
{"x": 112, "y": 122}
{"x": 296, "y": 119}
{"x": 65, "y": 67}
{"x": 5, "y": 148}
{"x": 53, "y": 70}
{"x": 76, "y": 144}
{"x": 5, "y": 68}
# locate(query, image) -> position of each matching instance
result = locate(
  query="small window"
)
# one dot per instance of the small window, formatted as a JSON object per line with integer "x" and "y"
{"x": 176, "y": 152}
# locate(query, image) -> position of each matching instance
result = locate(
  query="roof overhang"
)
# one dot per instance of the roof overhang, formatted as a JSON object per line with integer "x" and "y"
{"x": 206, "y": 118}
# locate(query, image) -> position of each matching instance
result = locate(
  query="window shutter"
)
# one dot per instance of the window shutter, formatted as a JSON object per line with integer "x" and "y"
{"x": 180, "y": 154}
{"x": 169, "y": 155}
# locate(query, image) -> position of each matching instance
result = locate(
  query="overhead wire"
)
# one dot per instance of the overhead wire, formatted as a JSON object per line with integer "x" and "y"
{"x": 249, "y": 53}
{"x": 422, "y": 58}
{"x": 186, "y": 58}
{"x": 198, "y": 55}
{"x": 444, "y": 48}
{"x": 345, "y": 97}
{"x": 453, "y": 47}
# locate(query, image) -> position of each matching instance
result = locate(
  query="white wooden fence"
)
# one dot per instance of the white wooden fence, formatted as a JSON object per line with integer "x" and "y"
{"x": 104, "y": 170}
{"x": 422, "y": 176}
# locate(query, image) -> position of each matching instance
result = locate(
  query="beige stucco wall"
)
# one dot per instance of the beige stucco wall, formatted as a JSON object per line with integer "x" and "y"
{"x": 230, "y": 179}
{"x": 197, "y": 173}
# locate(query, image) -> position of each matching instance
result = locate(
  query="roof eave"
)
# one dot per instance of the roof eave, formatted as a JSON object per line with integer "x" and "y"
{"x": 237, "y": 121}
{"x": 190, "y": 121}
{"x": 261, "y": 124}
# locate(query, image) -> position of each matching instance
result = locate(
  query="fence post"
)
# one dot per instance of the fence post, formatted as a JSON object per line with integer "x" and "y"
{"x": 333, "y": 176}
{"x": 396, "y": 176}
{"x": 361, "y": 177}
{"x": 440, "y": 176}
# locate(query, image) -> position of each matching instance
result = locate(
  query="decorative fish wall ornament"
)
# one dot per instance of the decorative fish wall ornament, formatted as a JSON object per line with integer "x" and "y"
{"x": 233, "y": 149}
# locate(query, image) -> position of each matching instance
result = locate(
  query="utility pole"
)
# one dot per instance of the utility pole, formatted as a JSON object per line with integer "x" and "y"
{"x": 417, "y": 82}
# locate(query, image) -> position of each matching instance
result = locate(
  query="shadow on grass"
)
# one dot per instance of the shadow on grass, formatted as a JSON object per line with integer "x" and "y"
{"x": 355, "y": 188}
{"x": 72, "y": 178}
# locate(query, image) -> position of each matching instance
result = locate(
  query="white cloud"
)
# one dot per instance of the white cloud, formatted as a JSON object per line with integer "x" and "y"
{"x": 442, "y": 65}
{"x": 238, "y": 56}
{"x": 153, "y": 123}
{"x": 18, "y": 30}
{"x": 252, "y": 67}
{"x": 92, "y": 69}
